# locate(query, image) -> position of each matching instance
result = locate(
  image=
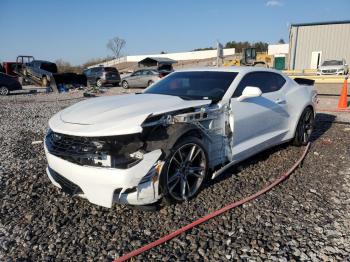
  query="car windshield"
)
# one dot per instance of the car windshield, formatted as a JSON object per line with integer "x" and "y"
{"x": 194, "y": 85}
{"x": 332, "y": 62}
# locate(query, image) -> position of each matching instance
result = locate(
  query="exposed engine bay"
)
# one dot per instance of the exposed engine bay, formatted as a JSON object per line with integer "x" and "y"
{"x": 159, "y": 132}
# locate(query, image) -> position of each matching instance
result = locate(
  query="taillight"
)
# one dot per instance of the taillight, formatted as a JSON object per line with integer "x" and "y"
{"x": 161, "y": 75}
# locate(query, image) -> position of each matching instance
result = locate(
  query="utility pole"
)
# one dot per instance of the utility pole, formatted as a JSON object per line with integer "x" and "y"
{"x": 220, "y": 54}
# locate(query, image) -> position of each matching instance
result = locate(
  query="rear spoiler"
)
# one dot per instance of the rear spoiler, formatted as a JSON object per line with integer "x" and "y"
{"x": 304, "y": 81}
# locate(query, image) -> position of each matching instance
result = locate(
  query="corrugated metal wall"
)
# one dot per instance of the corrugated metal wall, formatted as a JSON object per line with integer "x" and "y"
{"x": 333, "y": 40}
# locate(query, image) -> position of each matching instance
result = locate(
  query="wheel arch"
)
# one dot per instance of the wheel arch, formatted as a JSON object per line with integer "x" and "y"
{"x": 173, "y": 134}
{"x": 295, "y": 123}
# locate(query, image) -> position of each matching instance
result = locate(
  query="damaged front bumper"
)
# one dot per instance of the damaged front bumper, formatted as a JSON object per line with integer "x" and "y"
{"x": 137, "y": 185}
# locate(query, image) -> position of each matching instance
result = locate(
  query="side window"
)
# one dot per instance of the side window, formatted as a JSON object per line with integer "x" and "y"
{"x": 145, "y": 72}
{"x": 266, "y": 81}
{"x": 95, "y": 70}
{"x": 278, "y": 82}
{"x": 87, "y": 71}
{"x": 137, "y": 73}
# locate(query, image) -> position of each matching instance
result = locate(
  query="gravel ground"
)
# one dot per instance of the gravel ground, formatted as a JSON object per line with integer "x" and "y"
{"x": 305, "y": 218}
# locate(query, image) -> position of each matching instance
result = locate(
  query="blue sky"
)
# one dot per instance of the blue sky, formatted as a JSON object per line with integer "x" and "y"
{"x": 79, "y": 30}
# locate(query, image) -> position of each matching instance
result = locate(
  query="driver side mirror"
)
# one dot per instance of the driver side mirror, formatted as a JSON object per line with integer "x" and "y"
{"x": 249, "y": 92}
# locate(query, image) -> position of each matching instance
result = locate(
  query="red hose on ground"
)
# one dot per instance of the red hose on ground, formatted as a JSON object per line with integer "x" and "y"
{"x": 215, "y": 213}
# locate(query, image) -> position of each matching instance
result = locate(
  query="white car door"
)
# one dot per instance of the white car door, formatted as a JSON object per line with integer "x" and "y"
{"x": 258, "y": 122}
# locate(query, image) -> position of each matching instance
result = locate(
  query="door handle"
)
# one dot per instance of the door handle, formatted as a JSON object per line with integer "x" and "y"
{"x": 280, "y": 101}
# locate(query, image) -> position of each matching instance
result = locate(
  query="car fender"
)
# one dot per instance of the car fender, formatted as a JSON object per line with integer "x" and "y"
{"x": 171, "y": 135}
{"x": 305, "y": 95}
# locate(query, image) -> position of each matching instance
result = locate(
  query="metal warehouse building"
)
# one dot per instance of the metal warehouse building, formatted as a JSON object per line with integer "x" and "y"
{"x": 312, "y": 43}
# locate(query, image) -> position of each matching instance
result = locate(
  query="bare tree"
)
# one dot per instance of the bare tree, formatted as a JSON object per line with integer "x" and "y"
{"x": 116, "y": 44}
{"x": 66, "y": 67}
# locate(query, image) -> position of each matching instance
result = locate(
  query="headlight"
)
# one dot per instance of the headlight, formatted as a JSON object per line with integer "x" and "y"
{"x": 119, "y": 152}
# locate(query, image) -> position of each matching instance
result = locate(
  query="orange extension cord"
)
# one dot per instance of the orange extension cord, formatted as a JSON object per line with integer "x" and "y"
{"x": 215, "y": 213}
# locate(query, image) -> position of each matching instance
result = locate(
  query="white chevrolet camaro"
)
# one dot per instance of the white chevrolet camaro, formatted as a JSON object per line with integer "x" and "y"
{"x": 165, "y": 142}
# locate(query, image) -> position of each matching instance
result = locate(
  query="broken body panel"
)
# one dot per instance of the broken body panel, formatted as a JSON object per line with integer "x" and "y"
{"x": 229, "y": 129}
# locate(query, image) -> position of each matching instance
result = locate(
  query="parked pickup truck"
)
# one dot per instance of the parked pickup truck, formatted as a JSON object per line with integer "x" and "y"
{"x": 44, "y": 73}
{"x": 41, "y": 70}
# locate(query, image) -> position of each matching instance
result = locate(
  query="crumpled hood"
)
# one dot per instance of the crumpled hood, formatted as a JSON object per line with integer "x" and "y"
{"x": 116, "y": 115}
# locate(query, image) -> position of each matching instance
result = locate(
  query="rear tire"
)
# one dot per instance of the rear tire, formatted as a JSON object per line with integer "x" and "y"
{"x": 125, "y": 84}
{"x": 4, "y": 91}
{"x": 304, "y": 127}
{"x": 99, "y": 83}
{"x": 184, "y": 171}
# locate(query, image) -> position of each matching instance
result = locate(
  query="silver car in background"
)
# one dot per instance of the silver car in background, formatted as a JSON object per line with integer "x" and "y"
{"x": 143, "y": 78}
{"x": 333, "y": 67}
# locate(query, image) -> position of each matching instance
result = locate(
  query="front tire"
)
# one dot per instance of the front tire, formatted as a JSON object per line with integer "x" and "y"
{"x": 4, "y": 91}
{"x": 125, "y": 84}
{"x": 150, "y": 83}
{"x": 44, "y": 82}
{"x": 184, "y": 171}
{"x": 304, "y": 127}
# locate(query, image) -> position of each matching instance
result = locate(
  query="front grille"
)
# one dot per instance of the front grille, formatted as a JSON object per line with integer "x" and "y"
{"x": 94, "y": 151}
{"x": 329, "y": 71}
{"x": 79, "y": 150}
{"x": 67, "y": 186}
{"x": 74, "y": 145}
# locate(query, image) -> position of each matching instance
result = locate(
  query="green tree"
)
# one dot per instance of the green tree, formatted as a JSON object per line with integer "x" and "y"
{"x": 260, "y": 46}
{"x": 203, "y": 49}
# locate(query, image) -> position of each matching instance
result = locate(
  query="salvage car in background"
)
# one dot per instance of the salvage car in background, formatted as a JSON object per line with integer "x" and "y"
{"x": 333, "y": 67}
{"x": 165, "y": 142}
{"x": 143, "y": 78}
{"x": 41, "y": 70}
{"x": 101, "y": 75}
{"x": 8, "y": 84}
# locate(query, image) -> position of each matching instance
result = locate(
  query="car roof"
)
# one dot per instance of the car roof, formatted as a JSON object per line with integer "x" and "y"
{"x": 101, "y": 67}
{"x": 43, "y": 61}
{"x": 236, "y": 69}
